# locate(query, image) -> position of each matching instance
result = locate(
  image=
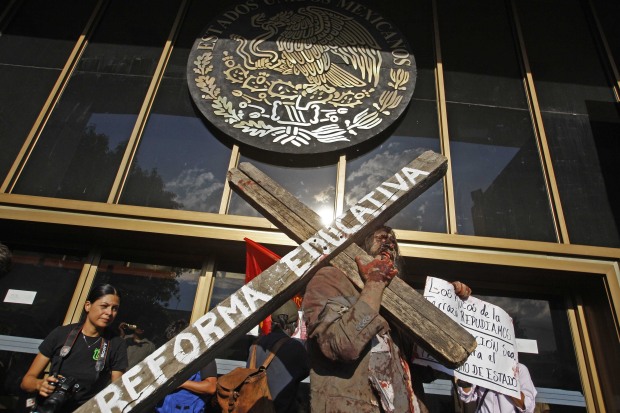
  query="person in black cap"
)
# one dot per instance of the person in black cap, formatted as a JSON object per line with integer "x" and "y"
{"x": 290, "y": 365}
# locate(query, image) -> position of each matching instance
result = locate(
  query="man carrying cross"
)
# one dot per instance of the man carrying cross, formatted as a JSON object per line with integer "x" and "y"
{"x": 359, "y": 362}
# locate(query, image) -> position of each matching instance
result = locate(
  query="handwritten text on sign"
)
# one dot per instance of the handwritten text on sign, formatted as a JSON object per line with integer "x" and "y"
{"x": 492, "y": 364}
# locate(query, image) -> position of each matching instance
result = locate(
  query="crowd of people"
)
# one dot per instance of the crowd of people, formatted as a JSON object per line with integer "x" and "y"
{"x": 357, "y": 361}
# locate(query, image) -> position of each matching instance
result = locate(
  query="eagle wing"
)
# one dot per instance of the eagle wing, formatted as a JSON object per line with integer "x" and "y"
{"x": 313, "y": 32}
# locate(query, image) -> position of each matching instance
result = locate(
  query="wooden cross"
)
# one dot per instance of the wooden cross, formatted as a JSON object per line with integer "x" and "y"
{"x": 401, "y": 305}
{"x": 166, "y": 368}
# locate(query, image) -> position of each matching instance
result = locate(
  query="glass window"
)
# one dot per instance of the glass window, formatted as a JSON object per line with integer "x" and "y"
{"x": 543, "y": 320}
{"x": 414, "y": 19}
{"x": 580, "y": 117}
{"x": 153, "y": 295}
{"x": 33, "y": 49}
{"x": 607, "y": 12}
{"x": 315, "y": 187}
{"x": 79, "y": 151}
{"x": 584, "y": 151}
{"x": 4, "y": 5}
{"x": 499, "y": 184}
{"x": 542, "y": 323}
{"x": 35, "y": 295}
{"x": 34, "y": 313}
{"x": 179, "y": 163}
{"x": 566, "y": 67}
{"x": 601, "y": 322}
{"x": 225, "y": 284}
{"x": 198, "y": 17}
{"x": 479, "y": 68}
{"x": 415, "y": 134}
{"x": 553, "y": 368}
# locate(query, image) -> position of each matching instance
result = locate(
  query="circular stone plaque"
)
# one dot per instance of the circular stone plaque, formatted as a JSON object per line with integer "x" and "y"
{"x": 301, "y": 77}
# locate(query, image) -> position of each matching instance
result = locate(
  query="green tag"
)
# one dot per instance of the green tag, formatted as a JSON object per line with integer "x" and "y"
{"x": 96, "y": 354}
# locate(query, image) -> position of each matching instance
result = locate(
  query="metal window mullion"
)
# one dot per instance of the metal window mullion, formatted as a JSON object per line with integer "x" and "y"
{"x": 84, "y": 285}
{"x": 227, "y": 193}
{"x": 8, "y": 14}
{"x": 444, "y": 136}
{"x": 611, "y": 64}
{"x": 583, "y": 353}
{"x": 143, "y": 114}
{"x": 341, "y": 175}
{"x": 204, "y": 291}
{"x": 46, "y": 111}
{"x": 553, "y": 193}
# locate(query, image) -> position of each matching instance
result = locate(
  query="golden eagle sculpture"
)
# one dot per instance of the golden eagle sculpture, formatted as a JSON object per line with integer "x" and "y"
{"x": 301, "y": 77}
{"x": 316, "y": 43}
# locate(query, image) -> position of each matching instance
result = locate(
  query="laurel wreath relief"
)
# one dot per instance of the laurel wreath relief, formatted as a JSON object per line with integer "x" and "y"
{"x": 244, "y": 118}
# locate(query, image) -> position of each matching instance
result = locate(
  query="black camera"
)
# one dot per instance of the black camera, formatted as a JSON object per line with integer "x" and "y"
{"x": 65, "y": 389}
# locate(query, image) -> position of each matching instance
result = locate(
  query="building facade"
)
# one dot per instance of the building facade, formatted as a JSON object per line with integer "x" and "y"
{"x": 109, "y": 173}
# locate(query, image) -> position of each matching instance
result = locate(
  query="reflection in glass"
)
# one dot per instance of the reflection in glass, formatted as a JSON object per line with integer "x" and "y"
{"x": 565, "y": 63}
{"x": 15, "y": 366}
{"x": 498, "y": 179}
{"x": 479, "y": 68}
{"x": 54, "y": 278}
{"x": 499, "y": 187}
{"x": 80, "y": 149}
{"x": 33, "y": 50}
{"x": 550, "y": 357}
{"x": 225, "y": 284}
{"x": 585, "y": 159}
{"x": 607, "y": 13}
{"x": 35, "y": 294}
{"x": 364, "y": 174}
{"x": 544, "y": 321}
{"x": 179, "y": 164}
{"x": 83, "y": 142}
{"x": 554, "y": 368}
{"x": 153, "y": 295}
{"x": 315, "y": 187}
{"x": 580, "y": 117}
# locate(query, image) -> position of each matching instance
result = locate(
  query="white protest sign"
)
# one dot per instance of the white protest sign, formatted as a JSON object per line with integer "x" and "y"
{"x": 493, "y": 363}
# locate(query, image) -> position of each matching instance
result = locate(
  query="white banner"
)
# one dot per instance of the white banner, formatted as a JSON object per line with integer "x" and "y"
{"x": 493, "y": 363}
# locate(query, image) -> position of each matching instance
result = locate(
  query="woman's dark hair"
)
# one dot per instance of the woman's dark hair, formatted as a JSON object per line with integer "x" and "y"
{"x": 100, "y": 290}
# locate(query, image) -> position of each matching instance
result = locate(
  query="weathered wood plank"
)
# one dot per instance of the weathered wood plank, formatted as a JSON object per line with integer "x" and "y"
{"x": 402, "y": 305}
{"x": 166, "y": 368}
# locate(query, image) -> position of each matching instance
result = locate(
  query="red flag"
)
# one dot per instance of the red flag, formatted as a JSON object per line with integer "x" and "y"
{"x": 258, "y": 259}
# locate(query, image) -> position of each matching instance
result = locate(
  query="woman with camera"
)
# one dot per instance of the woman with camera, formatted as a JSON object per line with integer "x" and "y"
{"x": 85, "y": 356}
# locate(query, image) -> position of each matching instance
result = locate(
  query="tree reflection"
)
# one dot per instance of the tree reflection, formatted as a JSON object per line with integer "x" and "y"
{"x": 94, "y": 156}
{"x": 147, "y": 188}
{"x": 147, "y": 293}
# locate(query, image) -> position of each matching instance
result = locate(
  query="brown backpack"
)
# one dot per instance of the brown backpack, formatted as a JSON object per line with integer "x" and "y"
{"x": 245, "y": 389}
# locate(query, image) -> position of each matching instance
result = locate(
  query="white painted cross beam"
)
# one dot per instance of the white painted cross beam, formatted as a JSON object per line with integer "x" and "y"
{"x": 171, "y": 364}
{"x": 401, "y": 305}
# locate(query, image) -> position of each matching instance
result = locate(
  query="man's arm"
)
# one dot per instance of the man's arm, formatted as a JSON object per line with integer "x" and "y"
{"x": 466, "y": 391}
{"x": 338, "y": 319}
{"x": 527, "y": 401}
{"x": 376, "y": 274}
{"x": 206, "y": 386}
